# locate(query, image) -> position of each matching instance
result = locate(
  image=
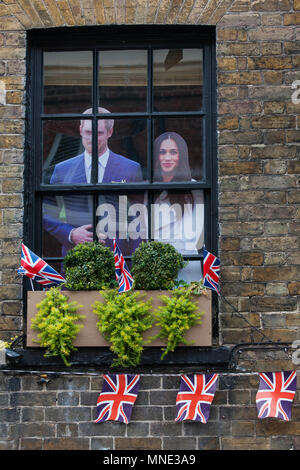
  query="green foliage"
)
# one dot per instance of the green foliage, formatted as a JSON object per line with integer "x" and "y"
{"x": 155, "y": 266}
{"x": 7, "y": 344}
{"x": 56, "y": 323}
{"x": 176, "y": 317}
{"x": 123, "y": 318}
{"x": 89, "y": 266}
{"x": 194, "y": 287}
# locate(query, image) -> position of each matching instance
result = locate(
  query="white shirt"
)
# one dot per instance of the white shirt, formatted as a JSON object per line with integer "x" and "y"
{"x": 102, "y": 162}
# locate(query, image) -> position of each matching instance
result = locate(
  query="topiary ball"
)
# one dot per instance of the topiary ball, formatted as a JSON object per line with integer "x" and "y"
{"x": 89, "y": 266}
{"x": 155, "y": 266}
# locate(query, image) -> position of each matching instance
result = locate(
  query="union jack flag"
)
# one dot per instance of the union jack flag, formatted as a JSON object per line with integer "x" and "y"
{"x": 123, "y": 275}
{"x": 211, "y": 271}
{"x": 117, "y": 398}
{"x": 275, "y": 394}
{"x": 195, "y": 397}
{"x": 37, "y": 269}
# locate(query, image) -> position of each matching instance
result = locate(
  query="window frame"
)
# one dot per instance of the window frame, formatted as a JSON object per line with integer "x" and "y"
{"x": 118, "y": 37}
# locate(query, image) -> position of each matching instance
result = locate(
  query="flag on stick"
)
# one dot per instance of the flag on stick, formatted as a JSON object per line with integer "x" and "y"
{"x": 196, "y": 394}
{"x": 123, "y": 275}
{"x": 37, "y": 269}
{"x": 211, "y": 271}
{"x": 275, "y": 394}
{"x": 117, "y": 398}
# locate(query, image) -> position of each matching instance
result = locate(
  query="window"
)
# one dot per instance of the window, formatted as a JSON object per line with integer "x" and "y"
{"x": 121, "y": 140}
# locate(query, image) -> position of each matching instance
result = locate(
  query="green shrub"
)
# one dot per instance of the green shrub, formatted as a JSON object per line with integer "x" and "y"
{"x": 89, "y": 266}
{"x": 176, "y": 317}
{"x": 155, "y": 266}
{"x": 194, "y": 287}
{"x": 56, "y": 322}
{"x": 123, "y": 318}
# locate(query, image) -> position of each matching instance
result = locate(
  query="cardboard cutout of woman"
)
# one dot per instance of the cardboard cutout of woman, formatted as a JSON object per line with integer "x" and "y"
{"x": 178, "y": 215}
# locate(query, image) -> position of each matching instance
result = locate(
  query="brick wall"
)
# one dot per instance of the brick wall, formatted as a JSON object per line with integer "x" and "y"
{"x": 59, "y": 415}
{"x": 258, "y": 60}
{"x": 258, "y": 156}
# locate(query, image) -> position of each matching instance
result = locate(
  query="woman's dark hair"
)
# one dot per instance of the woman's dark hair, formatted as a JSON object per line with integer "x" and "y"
{"x": 183, "y": 171}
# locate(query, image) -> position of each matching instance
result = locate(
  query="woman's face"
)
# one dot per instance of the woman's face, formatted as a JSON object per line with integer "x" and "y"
{"x": 168, "y": 157}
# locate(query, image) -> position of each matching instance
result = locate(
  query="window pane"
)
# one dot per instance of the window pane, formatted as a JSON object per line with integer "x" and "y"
{"x": 61, "y": 143}
{"x": 123, "y": 80}
{"x": 129, "y": 140}
{"x": 124, "y": 217}
{"x": 68, "y": 220}
{"x": 61, "y": 215}
{"x": 178, "y": 219}
{"x": 67, "y": 82}
{"x": 177, "y": 149}
{"x": 67, "y": 150}
{"x": 177, "y": 79}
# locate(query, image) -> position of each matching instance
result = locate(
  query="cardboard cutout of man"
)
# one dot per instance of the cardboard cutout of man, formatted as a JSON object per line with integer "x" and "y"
{"x": 75, "y": 225}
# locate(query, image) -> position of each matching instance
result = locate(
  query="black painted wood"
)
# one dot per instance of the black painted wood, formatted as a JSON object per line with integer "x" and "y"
{"x": 101, "y": 357}
{"x": 118, "y": 37}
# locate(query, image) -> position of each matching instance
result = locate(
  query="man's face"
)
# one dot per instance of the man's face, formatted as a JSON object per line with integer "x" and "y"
{"x": 103, "y": 136}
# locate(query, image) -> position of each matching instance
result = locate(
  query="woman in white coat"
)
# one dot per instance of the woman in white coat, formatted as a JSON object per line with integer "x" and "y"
{"x": 178, "y": 216}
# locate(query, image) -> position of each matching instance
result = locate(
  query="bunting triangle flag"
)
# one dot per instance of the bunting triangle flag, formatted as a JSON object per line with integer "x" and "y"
{"x": 211, "y": 271}
{"x": 195, "y": 397}
{"x": 37, "y": 269}
{"x": 275, "y": 394}
{"x": 117, "y": 398}
{"x": 123, "y": 275}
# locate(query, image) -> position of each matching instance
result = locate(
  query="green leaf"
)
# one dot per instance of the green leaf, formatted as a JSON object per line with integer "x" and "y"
{"x": 56, "y": 323}
{"x": 176, "y": 318}
{"x": 122, "y": 319}
{"x": 89, "y": 266}
{"x": 155, "y": 266}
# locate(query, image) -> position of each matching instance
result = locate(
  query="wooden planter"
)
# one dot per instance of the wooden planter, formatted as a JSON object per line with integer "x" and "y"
{"x": 89, "y": 336}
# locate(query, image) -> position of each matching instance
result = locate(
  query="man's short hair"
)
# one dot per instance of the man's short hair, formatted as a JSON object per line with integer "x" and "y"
{"x": 109, "y": 123}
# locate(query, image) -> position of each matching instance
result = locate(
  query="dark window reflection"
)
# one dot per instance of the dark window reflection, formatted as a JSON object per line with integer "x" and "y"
{"x": 123, "y": 80}
{"x": 129, "y": 140}
{"x": 177, "y": 149}
{"x": 61, "y": 143}
{"x": 67, "y": 81}
{"x": 124, "y": 217}
{"x": 177, "y": 79}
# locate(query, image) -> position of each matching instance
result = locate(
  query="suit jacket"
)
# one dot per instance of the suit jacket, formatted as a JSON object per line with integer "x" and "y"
{"x": 63, "y": 213}
{"x": 118, "y": 169}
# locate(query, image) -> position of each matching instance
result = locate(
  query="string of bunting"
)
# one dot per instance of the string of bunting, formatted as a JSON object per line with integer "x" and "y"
{"x": 119, "y": 392}
{"x": 274, "y": 396}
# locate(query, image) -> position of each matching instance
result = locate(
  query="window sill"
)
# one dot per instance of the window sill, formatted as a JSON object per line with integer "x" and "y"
{"x": 101, "y": 358}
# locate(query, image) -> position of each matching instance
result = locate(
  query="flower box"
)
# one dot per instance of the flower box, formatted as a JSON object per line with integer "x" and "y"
{"x": 89, "y": 336}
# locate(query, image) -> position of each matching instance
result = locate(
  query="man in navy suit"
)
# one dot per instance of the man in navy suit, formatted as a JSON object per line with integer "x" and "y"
{"x": 76, "y": 225}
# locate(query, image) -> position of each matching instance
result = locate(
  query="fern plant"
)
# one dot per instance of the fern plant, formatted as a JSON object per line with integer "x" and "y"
{"x": 175, "y": 318}
{"x": 56, "y": 322}
{"x": 123, "y": 319}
